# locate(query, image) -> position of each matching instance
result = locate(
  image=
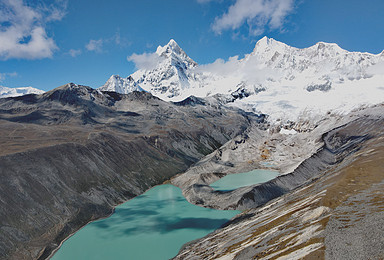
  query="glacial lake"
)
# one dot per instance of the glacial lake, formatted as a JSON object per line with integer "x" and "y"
{"x": 153, "y": 225}
{"x": 234, "y": 181}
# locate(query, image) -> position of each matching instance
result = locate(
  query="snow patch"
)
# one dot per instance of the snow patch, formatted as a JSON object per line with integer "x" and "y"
{"x": 288, "y": 132}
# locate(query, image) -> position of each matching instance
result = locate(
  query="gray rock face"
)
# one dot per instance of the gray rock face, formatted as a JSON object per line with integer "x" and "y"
{"x": 321, "y": 87}
{"x": 70, "y": 155}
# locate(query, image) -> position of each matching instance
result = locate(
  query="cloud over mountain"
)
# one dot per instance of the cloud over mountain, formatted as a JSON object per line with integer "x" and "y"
{"x": 257, "y": 14}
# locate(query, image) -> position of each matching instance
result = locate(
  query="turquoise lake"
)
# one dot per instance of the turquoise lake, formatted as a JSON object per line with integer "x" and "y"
{"x": 151, "y": 226}
{"x": 155, "y": 224}
{"x": 234, "y": 181}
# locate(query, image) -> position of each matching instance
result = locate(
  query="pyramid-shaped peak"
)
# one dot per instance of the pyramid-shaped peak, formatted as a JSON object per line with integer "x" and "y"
{"x": 265, "y": 40}
{"x": 172, "y": 43}
{"x": 268, "y": 43}
{"x": 170, "y": 47}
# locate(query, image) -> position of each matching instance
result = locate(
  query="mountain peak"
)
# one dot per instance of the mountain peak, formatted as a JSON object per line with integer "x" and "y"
{"x": 174, "y": 54}
{"x": 266, "y": 44}
{"x": 324, "y": 45}
{"x": 170, "y": 47}
{"x": 173, "y": 43}
{"x": 70, "y": 87}
{"x": 264, "y": 41}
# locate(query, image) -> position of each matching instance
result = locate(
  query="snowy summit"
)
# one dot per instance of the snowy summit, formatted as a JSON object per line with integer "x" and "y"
{"x": 14, "y": 92}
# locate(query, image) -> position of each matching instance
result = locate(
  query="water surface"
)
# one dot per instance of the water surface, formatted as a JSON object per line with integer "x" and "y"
{"x": 151, "y": 226}
{"x": 234, "y": 181}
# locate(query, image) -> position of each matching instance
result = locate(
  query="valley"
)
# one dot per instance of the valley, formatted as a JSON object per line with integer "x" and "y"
{"x": 71, "y": 155}
{"x": 74, "y": 155}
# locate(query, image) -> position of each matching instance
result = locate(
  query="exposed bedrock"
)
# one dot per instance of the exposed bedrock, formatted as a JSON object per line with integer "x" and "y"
{"x": 70, "y": 155}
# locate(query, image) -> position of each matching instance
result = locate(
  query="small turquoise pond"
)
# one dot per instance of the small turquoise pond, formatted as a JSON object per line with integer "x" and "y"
{"x": 234, "y": 181}
{"x": 152, "y": 226}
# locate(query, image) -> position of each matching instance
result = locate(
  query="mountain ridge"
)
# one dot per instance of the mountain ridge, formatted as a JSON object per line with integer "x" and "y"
{"x": 268, "y": 80}
{"x": 14, "y": 92}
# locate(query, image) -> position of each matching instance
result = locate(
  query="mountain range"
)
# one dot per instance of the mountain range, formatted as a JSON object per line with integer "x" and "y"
{"x": 275, "y": 79}
{"x": 284, "y": 82}
{"x": 70, "y": 155}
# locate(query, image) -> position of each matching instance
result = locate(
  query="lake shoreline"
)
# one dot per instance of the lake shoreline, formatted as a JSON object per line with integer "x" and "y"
{"x": 167, "y": 220}
{"x": 100, "y": 218}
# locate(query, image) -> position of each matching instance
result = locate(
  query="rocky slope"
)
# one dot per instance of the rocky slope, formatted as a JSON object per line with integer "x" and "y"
{"x": 286, "y": 148}
{"x": 334, "y": 214}
{"x": 70, "y": 155}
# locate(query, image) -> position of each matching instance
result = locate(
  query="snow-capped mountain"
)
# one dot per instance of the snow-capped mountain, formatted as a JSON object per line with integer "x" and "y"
{"x": 275, "y": 79}
{"x": 173, "y": 74}
{"x": 323, "y": 62}
{"x": 14, "y": 92}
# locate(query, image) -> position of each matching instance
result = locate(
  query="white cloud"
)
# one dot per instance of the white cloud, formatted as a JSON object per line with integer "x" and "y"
{"x": 95, "y": 45}
{"x": 248, "y": 70}
{"x": 5, "y": 75}
{"x": 74, "y": 53}
{"x": 146, "y": 61}
{"x": 119, "y": 40}
{"x": 56, "y": 11}
{"x": 22, "y": 31}
{"x": 221, "y": 67}
{"x": 104, "y": 43}
{"x": 257, "y": 14}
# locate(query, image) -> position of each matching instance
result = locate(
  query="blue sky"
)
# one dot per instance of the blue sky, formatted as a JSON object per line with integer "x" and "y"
{"x": 47, "y": 43}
